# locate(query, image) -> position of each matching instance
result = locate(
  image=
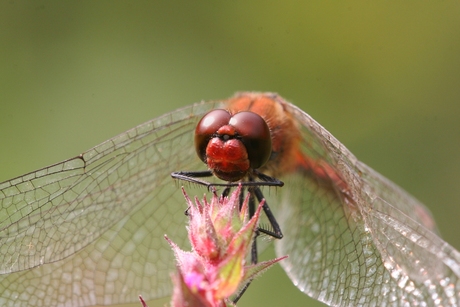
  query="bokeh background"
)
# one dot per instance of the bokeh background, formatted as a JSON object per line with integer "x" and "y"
{"x": 383, "y": 77}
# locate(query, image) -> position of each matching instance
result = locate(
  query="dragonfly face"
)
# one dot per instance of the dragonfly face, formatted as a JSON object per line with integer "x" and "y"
{"x": 232, "y": 144}
{"x": 89, "y": 230}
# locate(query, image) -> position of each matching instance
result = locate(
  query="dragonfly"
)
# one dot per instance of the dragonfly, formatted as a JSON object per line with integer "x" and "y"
{"x": 90, "y": 230}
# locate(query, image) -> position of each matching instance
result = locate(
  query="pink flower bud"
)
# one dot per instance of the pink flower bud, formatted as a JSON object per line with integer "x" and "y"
{"x": 221, "y": 236}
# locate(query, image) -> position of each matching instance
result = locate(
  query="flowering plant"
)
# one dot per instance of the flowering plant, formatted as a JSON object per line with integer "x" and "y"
{"x": 221, "y": 235}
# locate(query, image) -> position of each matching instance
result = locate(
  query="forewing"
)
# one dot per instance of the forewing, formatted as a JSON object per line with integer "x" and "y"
{"x": 371, "y": 244}
{"x": 90, "y": 230}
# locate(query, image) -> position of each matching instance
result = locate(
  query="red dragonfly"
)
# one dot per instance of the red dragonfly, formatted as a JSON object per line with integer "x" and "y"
{"x": 89, "y": 230}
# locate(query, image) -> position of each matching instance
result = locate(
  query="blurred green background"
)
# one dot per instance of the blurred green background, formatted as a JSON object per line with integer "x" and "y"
{"x": 383, "y": 77}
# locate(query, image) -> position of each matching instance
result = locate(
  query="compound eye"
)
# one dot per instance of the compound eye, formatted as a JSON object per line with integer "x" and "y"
{"x": 255, "y": 135}
{"x": 207, "y": 128}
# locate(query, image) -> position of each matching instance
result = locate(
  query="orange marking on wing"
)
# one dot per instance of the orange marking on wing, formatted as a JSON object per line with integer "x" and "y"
{"x": 325, "y": 174}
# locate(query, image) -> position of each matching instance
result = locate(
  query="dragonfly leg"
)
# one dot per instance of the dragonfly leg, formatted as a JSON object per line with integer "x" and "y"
{"x": 276, "y": 232}
{"x": 254, "y": 256}
{"x": 193, "y": 177}
{"x": 276, "y": 229}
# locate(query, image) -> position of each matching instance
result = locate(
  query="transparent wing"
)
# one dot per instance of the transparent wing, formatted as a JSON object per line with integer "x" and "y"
{"x": 374, "y": 245}
{"x": 90, "y": 230}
